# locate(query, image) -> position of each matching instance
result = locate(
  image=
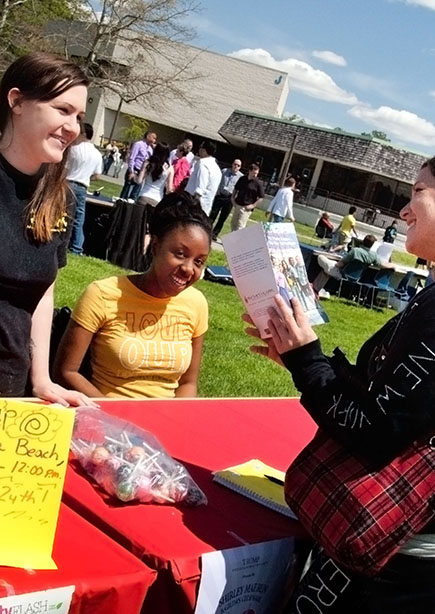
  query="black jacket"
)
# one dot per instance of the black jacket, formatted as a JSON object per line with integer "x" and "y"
{"x": 387, "y": 400}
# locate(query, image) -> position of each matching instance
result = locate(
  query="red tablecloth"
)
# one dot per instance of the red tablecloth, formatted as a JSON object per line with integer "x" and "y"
{"x": 204, "y": 434}
{"x": 108, "y": 579}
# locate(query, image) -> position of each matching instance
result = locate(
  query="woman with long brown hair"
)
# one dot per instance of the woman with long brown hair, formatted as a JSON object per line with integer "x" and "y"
{"x": 42, "y": 101}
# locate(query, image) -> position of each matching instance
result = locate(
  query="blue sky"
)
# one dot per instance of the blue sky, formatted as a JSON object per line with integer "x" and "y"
{"x": 361, "y": 65}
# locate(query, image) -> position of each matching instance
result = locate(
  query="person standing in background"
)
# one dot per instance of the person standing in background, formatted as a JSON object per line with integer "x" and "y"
{"x": 187, "y": 144}
{"x": 222, "y": 204}
{"x": 84, "y": 163}
{"x": 390, "y": 233}
{"x": 281, "y": 206}
{"x": 155, "y": 177}
{"x": 140, "y": 152}
{"x": 109, "y": 157}
{"x": 117, "y": 162}
{"x": 347, "y": 228}
{"x": 181, "y": 167}
{"x": 247, "y": 194}
{"x": 206, "y": 175}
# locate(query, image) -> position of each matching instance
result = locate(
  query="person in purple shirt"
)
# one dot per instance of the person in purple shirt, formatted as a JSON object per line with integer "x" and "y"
{"x": 140, "y": 152}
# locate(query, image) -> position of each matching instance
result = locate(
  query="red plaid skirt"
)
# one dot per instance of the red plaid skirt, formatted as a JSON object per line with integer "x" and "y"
{"x": 361, "y": 516}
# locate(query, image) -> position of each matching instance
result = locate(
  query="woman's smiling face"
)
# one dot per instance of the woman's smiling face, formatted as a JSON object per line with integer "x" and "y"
{"x": 178, "y": 260}
{"x": 44, "y": 129}
{"x": 419, "y": 215}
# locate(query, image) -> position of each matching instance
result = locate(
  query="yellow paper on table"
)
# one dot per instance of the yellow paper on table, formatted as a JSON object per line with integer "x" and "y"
{"x": 34, "y": 446}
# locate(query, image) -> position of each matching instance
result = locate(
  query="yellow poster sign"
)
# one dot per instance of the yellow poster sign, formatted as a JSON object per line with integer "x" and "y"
{"x": 34, "y": 446}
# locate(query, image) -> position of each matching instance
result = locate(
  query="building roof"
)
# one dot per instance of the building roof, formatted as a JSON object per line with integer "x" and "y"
{"x": 356, "y": 151}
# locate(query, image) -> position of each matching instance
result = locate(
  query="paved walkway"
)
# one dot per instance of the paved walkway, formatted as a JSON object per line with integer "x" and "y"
{"x": 118, "y": 180}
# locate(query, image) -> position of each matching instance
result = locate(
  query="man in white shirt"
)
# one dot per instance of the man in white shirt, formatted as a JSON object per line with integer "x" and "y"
{"x": 206, "y": 176}
{"x": 187, "y": 144}
{"x": 84, "y": 162}
{"x": 281, "y": 206}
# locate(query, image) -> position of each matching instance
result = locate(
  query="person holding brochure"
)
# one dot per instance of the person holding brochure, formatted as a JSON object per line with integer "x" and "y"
{"x": 145, "y": 331}
{"x": 376, "y": 411}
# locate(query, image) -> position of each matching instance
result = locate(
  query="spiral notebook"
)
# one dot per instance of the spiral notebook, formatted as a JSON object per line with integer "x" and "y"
{"x": 249, "y": 479}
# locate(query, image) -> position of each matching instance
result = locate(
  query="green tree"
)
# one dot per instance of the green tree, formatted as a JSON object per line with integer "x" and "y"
{"x": 294, "y": 117}
{"x": 22, "y": 25}
{"x": 377, "y": 134}
{"x": 131, "y": 48}
{"x": 136, "y": 129}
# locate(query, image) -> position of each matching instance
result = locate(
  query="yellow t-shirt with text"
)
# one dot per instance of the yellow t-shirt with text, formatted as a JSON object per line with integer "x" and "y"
{"x": 142, "y": 345}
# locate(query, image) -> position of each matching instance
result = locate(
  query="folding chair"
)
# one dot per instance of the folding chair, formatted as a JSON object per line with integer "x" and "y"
{"x": 351, "y": 274}
{"x": 405, "y": 290}
{"x": 381, "y": 281}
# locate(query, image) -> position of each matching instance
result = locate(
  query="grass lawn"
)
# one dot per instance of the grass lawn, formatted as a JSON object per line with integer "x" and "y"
{"x": 228, "y": 367}
{"x": 109, "y": 188}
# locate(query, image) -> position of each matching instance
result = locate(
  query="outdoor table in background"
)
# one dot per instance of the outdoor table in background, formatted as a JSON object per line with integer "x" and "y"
{"x": 99, "y": 210}
{"x": 126, "y": 235}
{"x": 107, "y": 578}
{"x": 116, "y": 231}
{"x": 205, "y": 435}
{"x": 310, "y": 253}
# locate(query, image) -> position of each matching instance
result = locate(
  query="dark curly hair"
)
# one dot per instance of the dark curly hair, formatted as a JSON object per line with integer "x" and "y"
{"x": 178, "y": 209}
{"x": 157, "y": 160}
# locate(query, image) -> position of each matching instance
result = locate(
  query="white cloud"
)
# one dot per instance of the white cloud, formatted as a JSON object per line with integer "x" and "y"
{"x": 432, "y": 93}
{"x": 427, "y": 4}
{"x": 402, "y": 125}
{"x": 303, "y": 77}
{"x": 330, "y": 57}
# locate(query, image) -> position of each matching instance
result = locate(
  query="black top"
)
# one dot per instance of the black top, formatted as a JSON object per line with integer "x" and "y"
{"x": 387, "y": 400}
{"x": 248, "y": 190}
{"x": 27, "y": 269}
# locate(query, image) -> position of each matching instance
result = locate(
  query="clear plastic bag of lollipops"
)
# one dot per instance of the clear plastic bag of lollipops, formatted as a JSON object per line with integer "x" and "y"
{"x": 129, "y": 462}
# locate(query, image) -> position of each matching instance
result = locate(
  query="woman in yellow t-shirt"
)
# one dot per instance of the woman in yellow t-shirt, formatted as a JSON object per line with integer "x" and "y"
{"x": 145, "y": 331}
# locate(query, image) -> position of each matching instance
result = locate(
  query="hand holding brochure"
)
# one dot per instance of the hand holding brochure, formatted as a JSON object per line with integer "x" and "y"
{"x": 265, "y": 259}
{"x": 257, "y": 481}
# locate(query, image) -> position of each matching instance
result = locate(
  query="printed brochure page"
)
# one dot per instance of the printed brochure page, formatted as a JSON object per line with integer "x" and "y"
{"x": 265, "y": 259}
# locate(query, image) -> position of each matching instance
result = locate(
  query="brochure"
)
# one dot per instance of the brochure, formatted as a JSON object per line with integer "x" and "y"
{"x": 265, "y": 259}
